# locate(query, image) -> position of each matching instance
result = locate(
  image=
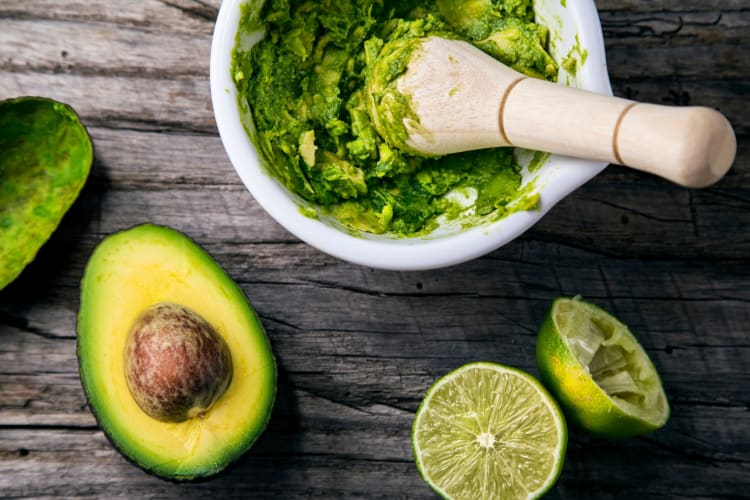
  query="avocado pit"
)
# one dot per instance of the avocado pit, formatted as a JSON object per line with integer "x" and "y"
{"x": 176, "y": 364}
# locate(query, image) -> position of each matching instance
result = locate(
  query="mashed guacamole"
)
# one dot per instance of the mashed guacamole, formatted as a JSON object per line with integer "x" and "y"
{"x": 304, "y": 84}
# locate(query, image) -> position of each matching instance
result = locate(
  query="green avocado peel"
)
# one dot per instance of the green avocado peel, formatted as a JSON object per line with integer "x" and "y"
{"x": 45, "y": 158}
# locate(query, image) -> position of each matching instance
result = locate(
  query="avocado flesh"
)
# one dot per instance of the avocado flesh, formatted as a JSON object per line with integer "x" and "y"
{"x": 313, "y": 81}
{"x": 45, "y": 158}
{"x": 131, "y": 271}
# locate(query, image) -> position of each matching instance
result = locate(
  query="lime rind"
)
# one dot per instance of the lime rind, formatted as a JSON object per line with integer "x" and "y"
{"x": 489, "y": 431}
{"x": 599, "y": 372}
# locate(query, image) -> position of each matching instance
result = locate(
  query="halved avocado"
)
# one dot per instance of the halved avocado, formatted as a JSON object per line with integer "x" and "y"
{"x": 128, "y": 274}
{"x": 45, "y": 158}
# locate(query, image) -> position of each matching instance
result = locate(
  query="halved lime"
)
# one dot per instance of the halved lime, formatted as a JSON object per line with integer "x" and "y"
{"x": 598, "y": 371}
{"x": 487, "y": 431}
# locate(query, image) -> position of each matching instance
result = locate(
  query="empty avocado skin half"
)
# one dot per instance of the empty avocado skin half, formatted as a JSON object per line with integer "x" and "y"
{"x": 45, "y": 158}
{"x": 131, "y": 272}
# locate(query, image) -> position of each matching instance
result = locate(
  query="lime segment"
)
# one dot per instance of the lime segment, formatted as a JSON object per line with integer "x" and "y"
{"x": 599, "y": 372}
{"x": 489, "y": 431}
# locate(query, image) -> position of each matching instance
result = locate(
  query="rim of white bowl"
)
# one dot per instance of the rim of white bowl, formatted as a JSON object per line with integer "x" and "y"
{"x": 398, "y": 254}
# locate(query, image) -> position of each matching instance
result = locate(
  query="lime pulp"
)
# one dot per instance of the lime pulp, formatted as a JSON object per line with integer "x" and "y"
{"x": 489, "y": 431}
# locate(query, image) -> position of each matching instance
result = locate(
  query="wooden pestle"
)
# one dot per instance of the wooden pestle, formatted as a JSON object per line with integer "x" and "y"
{"x": 462, "y": 99}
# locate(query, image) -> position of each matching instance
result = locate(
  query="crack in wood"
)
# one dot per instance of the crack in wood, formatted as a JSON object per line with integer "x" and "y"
{"x": 402, "y": 411}
{"x": 273, "y": 319}
{"x": 22, "y": 324}
{"x": 159, "y": 185}
{"x": 635, "y": 211}
{"x": 120, "y": 72}
{"x": 332, "y": 401}
{"x": 143, "y": 124}
{"x": 639, "y": 27}
{"x": 40, "y": 373}
{"x": 714, "y": 346}
{"x": 714, "y": 461}
{"x": 719, "y": 193}
{"x": 381, "y": 294}
{"x": 50, "y": 427}
{"x": 535, "y": 235}
{"x": 710, "y": 404}
{"x": 199, "y": 10}
{"x": 342, "y": 457}
{"x": 128, "y": 127}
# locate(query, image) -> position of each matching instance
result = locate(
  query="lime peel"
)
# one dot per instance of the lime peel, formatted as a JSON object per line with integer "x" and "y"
{"x": 599, "y": 373}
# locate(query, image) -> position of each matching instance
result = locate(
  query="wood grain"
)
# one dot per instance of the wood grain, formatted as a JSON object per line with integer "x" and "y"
{"x": 357, "y": 348}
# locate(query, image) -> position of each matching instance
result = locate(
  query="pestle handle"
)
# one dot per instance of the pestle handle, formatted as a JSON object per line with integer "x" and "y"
{"x": 465, "y": 100}
{"x": 691, "y": 146}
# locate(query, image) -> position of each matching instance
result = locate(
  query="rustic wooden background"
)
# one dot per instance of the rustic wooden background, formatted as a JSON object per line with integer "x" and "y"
{"x": 357, "y": 348}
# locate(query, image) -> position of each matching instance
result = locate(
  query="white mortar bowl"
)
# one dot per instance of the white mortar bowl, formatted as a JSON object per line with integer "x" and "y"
{"x": 575, "y": 25}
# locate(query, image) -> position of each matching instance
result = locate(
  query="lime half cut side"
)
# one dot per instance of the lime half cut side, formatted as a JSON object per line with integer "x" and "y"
{"x": 488, "y": 431}
{"x": 598, "y": 371}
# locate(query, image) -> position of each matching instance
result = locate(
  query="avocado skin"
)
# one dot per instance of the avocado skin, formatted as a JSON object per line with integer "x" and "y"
{"x": 45, "y": 158}
{"x": 211, "y": 471}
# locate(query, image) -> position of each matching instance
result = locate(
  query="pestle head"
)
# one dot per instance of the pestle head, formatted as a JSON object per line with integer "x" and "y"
{"x": 434, "y": 96}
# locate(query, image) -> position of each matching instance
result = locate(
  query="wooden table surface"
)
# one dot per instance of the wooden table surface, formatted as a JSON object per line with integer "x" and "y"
{"x": 357, "y": 348}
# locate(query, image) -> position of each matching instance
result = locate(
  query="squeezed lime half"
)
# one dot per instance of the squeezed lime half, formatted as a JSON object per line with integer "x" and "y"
{"x": 487, "y": 431}
{"x": 599, "y": 373}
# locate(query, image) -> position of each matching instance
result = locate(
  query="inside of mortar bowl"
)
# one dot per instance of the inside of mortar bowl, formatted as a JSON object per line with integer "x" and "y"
{"x": 575, "y": 31}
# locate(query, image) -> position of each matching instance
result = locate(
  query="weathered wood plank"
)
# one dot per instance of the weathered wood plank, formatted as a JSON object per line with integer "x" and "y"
{"x": 357, "y": 348}
{"x": 178, "y": 16}
{"x": 631, "y": 6}
{"x": 193, "y": 15}
{"x": 372, "y": 372}
{"x": 135, "y": 159}
{"x": 674, "y": 28}
{"x": 135, "y": 179}
{"x": 602, "y": 216}
{"x": 137, "y": 102}
{"x": 638, "y": 45}
{"x": 51, "y": 470}
{"x": 249, "y": 246}
{"x": 722, "y": 61}
{"x": 408, "y": 329}
{"x": 185, "y": 105}
{"x": 33, "y": 46}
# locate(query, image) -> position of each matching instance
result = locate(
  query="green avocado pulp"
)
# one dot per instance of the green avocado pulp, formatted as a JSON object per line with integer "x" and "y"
{"x": 304, "y": 85}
